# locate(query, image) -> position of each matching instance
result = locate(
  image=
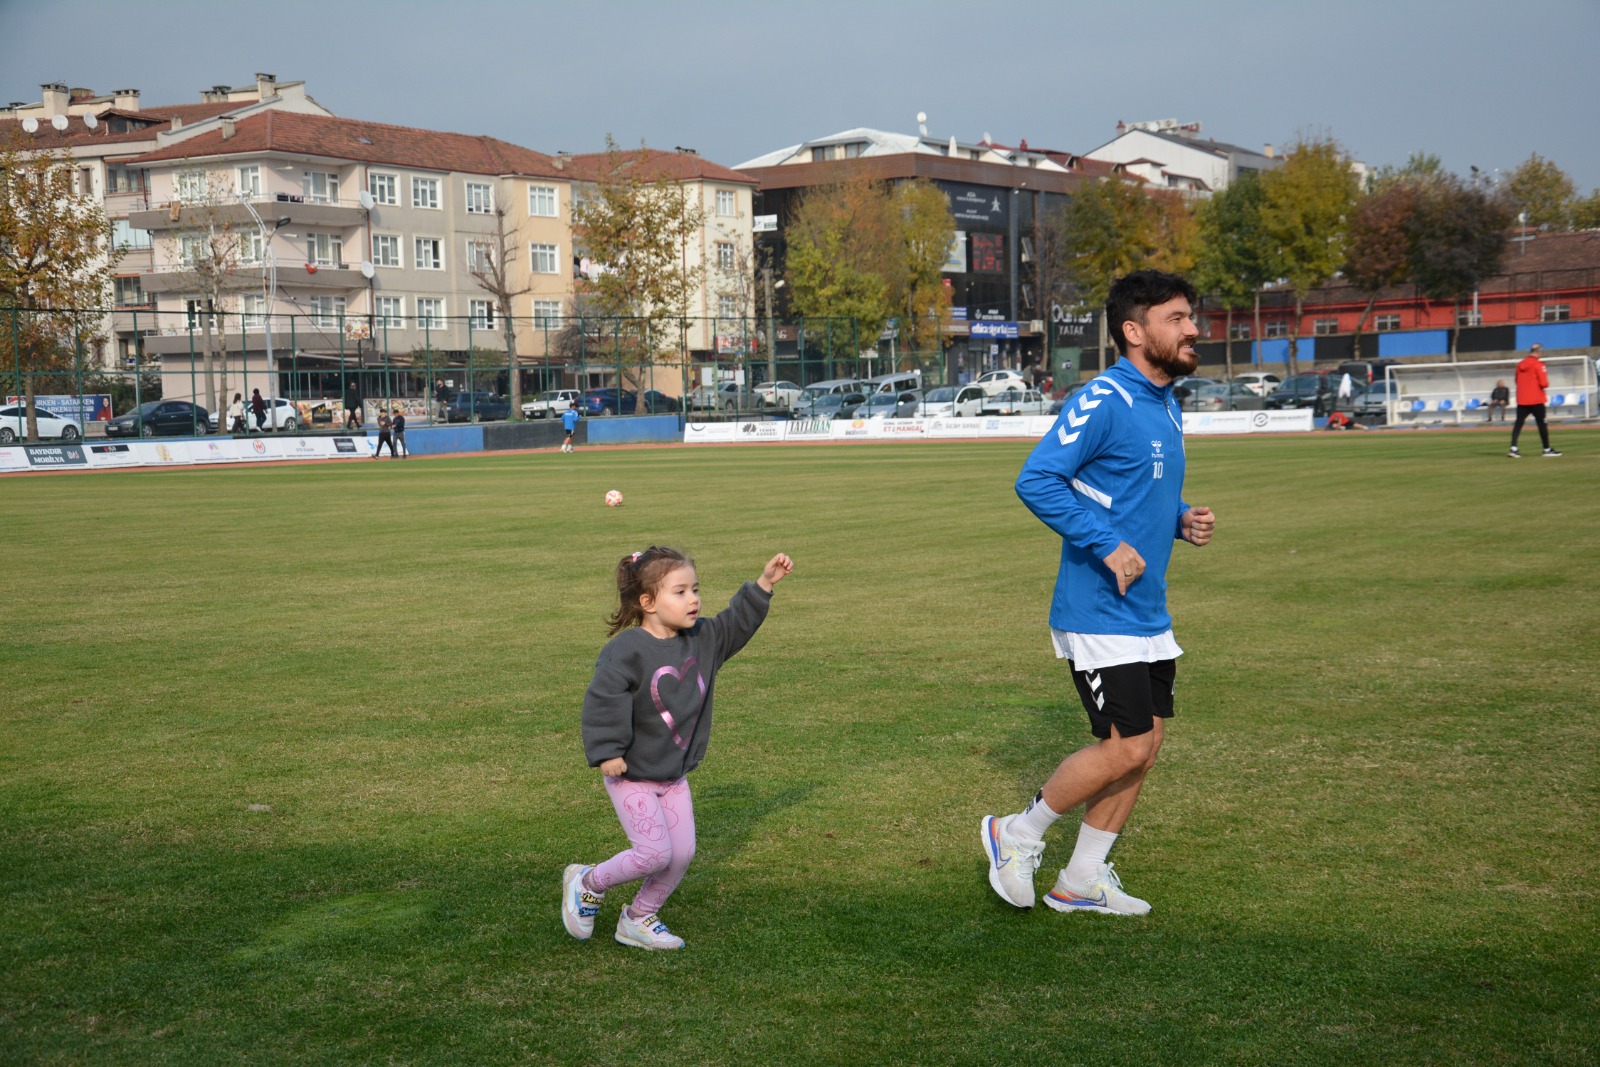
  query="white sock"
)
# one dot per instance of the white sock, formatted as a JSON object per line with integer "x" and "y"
{"x": 1092, "y": 849}
{"x": 1033, "y": 821}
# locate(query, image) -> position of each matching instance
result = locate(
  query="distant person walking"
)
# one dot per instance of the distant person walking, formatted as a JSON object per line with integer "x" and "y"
{"x": 352, "y": 409}
{"x": 384, "y": 436}
{"x": 441, "y": 397}
{"x": 236, "y": 415}
{"x": 258, "y": 408}
{"x": 1532, "y": 381}
{"x": 1499, "y": 397}
{"x": 569, "y": 423}
{"x": 399, "y": 435}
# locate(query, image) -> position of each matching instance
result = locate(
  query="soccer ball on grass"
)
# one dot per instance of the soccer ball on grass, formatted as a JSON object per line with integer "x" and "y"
{"x": 613, "y": 499}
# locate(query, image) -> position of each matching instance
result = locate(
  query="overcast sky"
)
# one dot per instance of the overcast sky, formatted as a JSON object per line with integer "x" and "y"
{"x": 1477, "y": 82}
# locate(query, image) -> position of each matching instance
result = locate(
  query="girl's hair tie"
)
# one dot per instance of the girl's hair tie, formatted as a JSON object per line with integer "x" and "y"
{"x": 636, "y": 556}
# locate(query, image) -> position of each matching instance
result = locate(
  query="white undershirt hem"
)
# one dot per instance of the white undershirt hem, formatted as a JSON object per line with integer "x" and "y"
{"x": 1092, "y": 651}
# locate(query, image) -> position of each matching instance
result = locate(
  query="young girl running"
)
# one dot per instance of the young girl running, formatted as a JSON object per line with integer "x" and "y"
{"x": 646, "y": 722}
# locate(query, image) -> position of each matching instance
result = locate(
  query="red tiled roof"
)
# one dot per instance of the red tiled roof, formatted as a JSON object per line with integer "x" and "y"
{"x": 366, "y": 142}
{"x": 77, "y": 135}
{"x": 657, "y": 166}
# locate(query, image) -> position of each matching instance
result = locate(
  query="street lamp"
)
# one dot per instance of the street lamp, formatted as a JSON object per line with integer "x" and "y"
{"x": 269, "y": 272}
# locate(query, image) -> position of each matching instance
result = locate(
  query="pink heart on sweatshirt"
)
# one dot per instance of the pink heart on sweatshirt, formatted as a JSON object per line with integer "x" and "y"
{"x": 661, "y": 708}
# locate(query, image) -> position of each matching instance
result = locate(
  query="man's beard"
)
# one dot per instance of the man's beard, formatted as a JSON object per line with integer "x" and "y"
{"x": 1170, "y": 360}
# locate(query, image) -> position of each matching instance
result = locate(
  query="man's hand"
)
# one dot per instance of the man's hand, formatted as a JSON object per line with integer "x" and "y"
{"x": 1198, "y": 525}
{"x": 614, "y": 767}
{"x": 773, "y": 573}
{"x": 1126, "y": 563}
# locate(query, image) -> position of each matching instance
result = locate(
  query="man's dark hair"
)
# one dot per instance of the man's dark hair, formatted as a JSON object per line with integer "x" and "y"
{"x": 1134, "y": 294}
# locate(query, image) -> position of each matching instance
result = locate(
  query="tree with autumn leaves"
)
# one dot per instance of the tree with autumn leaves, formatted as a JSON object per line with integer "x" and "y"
{"x": 55, "y": 266}
{"x": 872, "y": 252}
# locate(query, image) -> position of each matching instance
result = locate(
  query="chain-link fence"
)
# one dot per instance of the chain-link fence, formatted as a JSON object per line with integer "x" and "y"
{"x": 332, "y": 369}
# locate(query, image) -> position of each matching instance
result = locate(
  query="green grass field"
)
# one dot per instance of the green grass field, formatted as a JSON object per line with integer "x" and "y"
{"x": 291, "y": 767}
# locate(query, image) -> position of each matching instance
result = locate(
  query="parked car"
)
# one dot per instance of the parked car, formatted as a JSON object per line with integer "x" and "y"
{"x": 551, "y": 403}
{"x": 1259, "y": 383}
{"x": 832, "y": 385}
{"x": 14, "y": 425}
{"x": 478, "y": 407}
{"x": 1301, "y": 391}
{"x": 1017, "y": 402}
{"x": 281, "y": 415}
{"x": 1183, "y": 387}
{"x": 657, "y": 403}
{"x": 902, "y": 405}
{"x": 1065, "y": 398}
{"x": 952, "y": 401}
{"x": 896, "y": 382}
{"x": 1212, "y": 397}
{"x": 832, "y": 405}
{"x": 1364, "y": 371}
{"x": 998, "y": 381}
{"x": 1373, "y": 399}
{"x": 724, "y": 396}
{"x": 609, "y": 401}
{"x": 777, "y": 394}
{"x": 161, "y": 418}
{"x": 1242, "y": 397}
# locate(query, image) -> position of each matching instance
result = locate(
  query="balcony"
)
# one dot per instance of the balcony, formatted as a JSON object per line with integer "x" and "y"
{"x": 335, "y": 276}
{"x": 301, "y": 211}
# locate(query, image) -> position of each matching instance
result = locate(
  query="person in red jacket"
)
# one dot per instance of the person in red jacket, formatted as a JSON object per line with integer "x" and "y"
{"x": 1532, "y": 381}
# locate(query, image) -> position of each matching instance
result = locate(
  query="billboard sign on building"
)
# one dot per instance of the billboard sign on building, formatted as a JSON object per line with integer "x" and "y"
{"x": 977, "y": 204}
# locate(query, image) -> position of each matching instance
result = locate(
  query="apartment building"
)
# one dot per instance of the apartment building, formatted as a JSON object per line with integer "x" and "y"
{"x": 350, "y": 244}
{"x": 99, "y": 133}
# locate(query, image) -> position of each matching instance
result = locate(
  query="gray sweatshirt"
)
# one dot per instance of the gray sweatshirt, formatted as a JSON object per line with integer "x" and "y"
{"x": 650, "y": 700}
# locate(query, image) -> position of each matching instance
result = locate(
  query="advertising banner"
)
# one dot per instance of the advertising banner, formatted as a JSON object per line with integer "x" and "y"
{"x": 56, "y": 456}
{"x": 819, "y": 429}
{"x": 1297, "y": 420}
{"x": 13, "y": 459}
{"x": 91, "y": 407}
{"x": 112, "y": 454}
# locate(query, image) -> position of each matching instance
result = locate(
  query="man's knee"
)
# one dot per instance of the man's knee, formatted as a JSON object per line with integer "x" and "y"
{"x": 1135, "y": 753}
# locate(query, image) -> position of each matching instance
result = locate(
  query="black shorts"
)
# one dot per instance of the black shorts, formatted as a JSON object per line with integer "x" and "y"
{"x": 1131, "y": 695}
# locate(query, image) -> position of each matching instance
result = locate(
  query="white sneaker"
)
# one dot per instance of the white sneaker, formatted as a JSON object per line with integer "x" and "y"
{"x": 649, "y": 932}
{"x": 1102, "y": 892}
{"x": 1514, "y": 453}
{"x": 1011, "y": 862}
{"x": 1551, "y": 452}
{"x": 579, "y": 906}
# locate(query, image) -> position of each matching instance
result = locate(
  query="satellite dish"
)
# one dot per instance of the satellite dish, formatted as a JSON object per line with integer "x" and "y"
{"x": 922, "y": 123}
{"x": 366, "y": 200}
{"x": 90, "y": 121}
{"x": 30, "y": 124}
{"x": 922, "y": 116}
{"x": 59, "y": 122}
{"x": 367, "y": 270}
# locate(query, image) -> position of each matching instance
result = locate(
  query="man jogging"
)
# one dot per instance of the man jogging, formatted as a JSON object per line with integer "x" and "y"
{"x": 1532, "y": 381}
{"x": 569, "y": 423}
{"x": 1108, "y": 479}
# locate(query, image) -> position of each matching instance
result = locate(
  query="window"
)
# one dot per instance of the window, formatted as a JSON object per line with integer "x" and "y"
{"x": 129, "y": 293}
{"x": 727, "y": 307}
{"x": 1275, "y": 329}
{"x": 480, "y": 314}
{"x": 727, "y": 202}
{"x": 383, "y": 188}
{"x": 1469, "y": 317}
{"x": 391, "y": 313}
{"x": 819, "y": 154}
{"x": 120, "y": 179}
{"x": 1386, "y": 322}
{"x": 193, "y": 248}
{"x": 253, "y": 311}
{"x": 327, "y": 310}
{"x": 251, "y": 247}
{"x": 250, "y": 181}
{"x": 544, "y": 258}
{"x": 1240, "y": 331}
{"x": 430, "y": 313}
{"x": 192, "y": 310}
{"x": 385, "y": 250}
{"x": 480, "y": 198}
{"x": 320, "y": 187}
{"x": 542, "y": 201}
{"x": 325, "y": 249}
{"x": 429, "y": 253}
{"x": 480, "y": 256}
{"x": 192, "y": 186}
{"x": 1555, "y": 313}
{"x": 425, "y": 192}
{"x": 1324, "y": 327}
{"x": 725, "y": 256}
{"x": 125, "y": 236}
{"x": 547, "y": 314}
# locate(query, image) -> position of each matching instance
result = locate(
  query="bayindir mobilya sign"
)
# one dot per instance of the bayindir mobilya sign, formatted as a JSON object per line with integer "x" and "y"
{"x": 57, "y": 456}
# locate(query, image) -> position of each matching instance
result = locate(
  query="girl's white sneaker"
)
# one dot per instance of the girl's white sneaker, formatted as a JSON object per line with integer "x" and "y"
{"x": 649, "y": 932}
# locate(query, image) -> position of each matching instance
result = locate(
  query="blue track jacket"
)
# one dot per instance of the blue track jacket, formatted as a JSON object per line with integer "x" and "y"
{"x": 1110, "y": 470}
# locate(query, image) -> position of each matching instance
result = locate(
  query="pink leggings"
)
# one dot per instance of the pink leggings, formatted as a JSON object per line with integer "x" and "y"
{"x": 658, "y": 818}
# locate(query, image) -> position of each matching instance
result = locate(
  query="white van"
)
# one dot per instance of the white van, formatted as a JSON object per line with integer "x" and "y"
{"x": 811, "y": 393}
{"x": 898, "y": 382}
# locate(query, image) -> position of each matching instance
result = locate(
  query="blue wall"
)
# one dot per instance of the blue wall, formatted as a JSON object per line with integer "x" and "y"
{"x": 1276, "y": 350}
{"x": 438, "y": 440}
{"x": 1555, "y": 335}
{"x": 620, "y": 430}
{"x": 1418, "y": 343}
